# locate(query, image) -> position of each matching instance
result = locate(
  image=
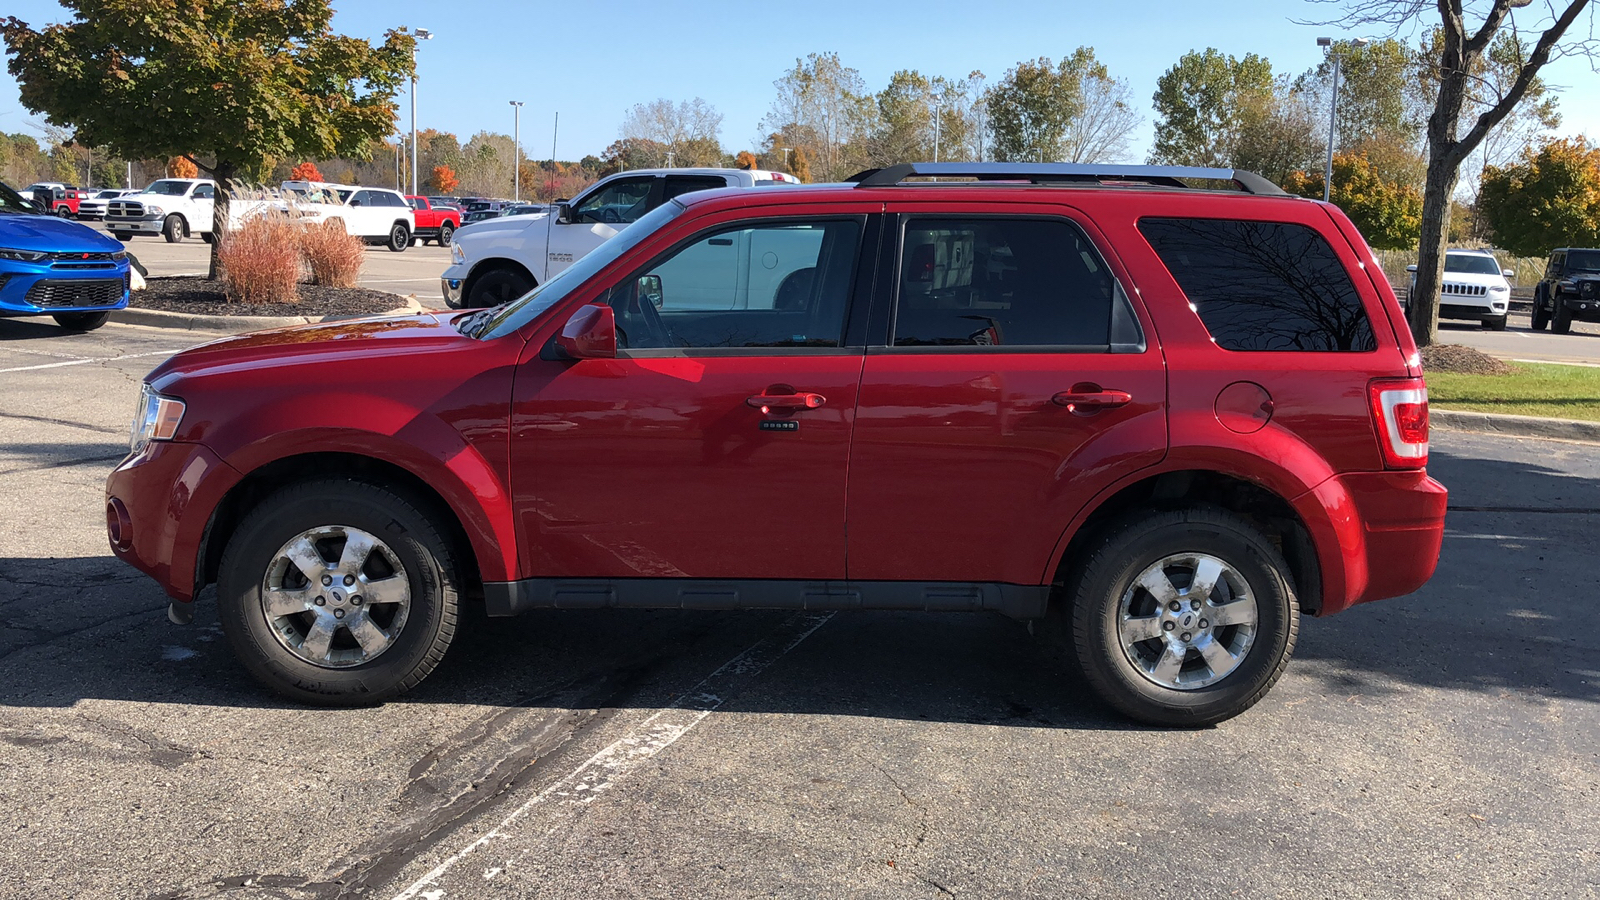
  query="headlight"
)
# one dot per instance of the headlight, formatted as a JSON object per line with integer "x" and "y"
{"x": 456, "y": 256}
{"x": 23, "y": 255}
{"x": 154, "y": 210}
{"x": 155, "y": 419}
{"x": 1587, "y": 288}
{"x": 119, "y": 254}
{"x": 1498, "y": 289}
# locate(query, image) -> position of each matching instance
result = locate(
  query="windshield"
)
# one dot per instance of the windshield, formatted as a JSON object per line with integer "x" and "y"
{"x": 1583, "y": 260}
{"x": 1471, "y": 264}
{"x": 168, "y": 188}
{"x": 508, "y": 318}
{"x": 107, "y": 195}
{"x": 11, "y": 203}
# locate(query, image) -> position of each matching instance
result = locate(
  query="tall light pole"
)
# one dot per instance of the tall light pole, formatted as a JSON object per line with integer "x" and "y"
{"x": 516, "y": 152}
{"x": 1333, "y": 111}
{"x": 421, "y": 34}
{"x": 786, "y": 152}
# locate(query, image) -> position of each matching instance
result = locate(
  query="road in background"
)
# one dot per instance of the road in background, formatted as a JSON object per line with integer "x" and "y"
{"x": 1438, "y": 745}
{"x": 1520, "y": 341}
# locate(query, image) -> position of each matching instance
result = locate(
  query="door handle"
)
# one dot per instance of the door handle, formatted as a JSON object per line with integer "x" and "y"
{"x": 799, "y": 400}
{"x": 1088, "y": 399}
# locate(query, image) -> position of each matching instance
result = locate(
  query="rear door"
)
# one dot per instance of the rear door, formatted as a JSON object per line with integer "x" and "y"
{"x": 1009, "y": 380}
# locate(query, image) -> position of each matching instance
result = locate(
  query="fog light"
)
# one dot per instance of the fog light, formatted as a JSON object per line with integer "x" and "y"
{"x": 119, "y": 527}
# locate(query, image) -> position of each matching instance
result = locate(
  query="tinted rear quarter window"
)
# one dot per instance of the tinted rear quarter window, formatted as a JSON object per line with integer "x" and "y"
{"x": 1263, "y": 286}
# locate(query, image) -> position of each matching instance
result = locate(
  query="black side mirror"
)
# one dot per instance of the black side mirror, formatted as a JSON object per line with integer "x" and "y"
{"x": 563, "y": 214}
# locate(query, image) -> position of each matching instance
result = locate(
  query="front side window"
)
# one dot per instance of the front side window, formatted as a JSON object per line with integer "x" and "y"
{"x": 1001, "y": 282}
{"x": 167, "y": 188}
{"x": 1263, "y": 285}
{"x": 618, "y": 203}
{"x": 205, "y": 192}
{"x": 766, "y": 285}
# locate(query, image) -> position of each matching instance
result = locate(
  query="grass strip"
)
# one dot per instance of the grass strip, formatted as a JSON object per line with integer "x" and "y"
{"x": 1535, "y": 389}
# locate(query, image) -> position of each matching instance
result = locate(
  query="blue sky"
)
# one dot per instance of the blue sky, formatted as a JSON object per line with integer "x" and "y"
{"x": 592, "y": 61}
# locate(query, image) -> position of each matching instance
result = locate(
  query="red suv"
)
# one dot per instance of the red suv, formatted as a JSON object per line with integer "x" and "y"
{"x": 1174, "y": 417}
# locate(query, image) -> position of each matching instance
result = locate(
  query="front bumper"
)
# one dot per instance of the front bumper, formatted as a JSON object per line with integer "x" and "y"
{"x": 451, "y": 284}
{"x": 62, "y": 286}
{"x": 159, "y": 502}
{"x": 141, "y": 225}
{"x": 1477, "y": 312}
{"x": 1583, "y": 307}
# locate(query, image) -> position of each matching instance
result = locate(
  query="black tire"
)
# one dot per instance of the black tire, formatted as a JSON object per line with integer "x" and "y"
{"x": 425, "y": 565}
{"x": 1119, "y": 555}
{"x": 1540, "y": 315}
{"x": 495, "y": 287}
{"x": 84, "y": 321}
{"x": 63, "y": 212}
{"x": 1561, "y": 323}
{"x": 172, "y": 229}
{"x": 123, "y": 236}
{"x": 399, "y": 237}
{"x": 446, "y": 232}
{"x": 1495, "y": 324}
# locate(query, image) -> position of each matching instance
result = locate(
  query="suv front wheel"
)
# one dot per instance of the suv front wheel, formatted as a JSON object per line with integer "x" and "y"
{"x": 1185, "y": 617}
{"x": 338, "y": 593}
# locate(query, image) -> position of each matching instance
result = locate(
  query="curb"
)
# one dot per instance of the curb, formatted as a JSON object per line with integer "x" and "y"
{"x": 156, "y": 318}
{"x": 1516, "y": 426}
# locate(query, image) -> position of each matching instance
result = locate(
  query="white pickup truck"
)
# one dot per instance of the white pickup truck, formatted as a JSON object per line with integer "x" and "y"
{"x": 174, "y": 208}
{"x": 377, "y": 215}
{"x": 501, "y": 259}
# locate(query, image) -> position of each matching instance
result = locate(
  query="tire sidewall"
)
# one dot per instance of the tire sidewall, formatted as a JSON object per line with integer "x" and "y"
{"x": 446, "y": 233}
{"x": 395, "y": 521}
{"x": 1098, "y": 609}
{"x": 399, "y": 238}
{"x": 479, "y": 300}
{"x": 172, "y": 229}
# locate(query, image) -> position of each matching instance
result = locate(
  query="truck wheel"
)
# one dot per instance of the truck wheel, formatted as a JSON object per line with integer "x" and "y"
{"x": 338, "y": 593}
{"x": 1185, "y": 617}
{"x": 172, "y": 229}
{"x": 123, "y": 236}
{"x": 1541, "y": 316}
{"x": 1562, "y": 322}
{"x": 495, "y": 287}
{"x": 446, "y": 232}
{"x": 399, "y": 237}
{"x": 87, "y": 321}
{"x": 64, "y": 212}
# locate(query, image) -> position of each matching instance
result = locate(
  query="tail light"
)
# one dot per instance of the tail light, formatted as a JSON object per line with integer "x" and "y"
{"x": 1400, "y": 415}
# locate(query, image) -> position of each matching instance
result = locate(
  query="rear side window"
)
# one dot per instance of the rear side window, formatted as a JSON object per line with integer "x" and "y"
{"x": 1263, "y": 285}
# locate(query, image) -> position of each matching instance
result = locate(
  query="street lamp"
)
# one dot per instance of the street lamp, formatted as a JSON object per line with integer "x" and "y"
{"x": 516, "y": 152}
{"x": 1333, "y": 111}
{"x": 786, "y": 152}
{"x": 421, "y": 34}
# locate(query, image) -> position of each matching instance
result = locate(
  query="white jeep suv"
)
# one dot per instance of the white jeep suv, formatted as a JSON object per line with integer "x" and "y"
{"x": 500, "y": 259}
{"x": 1475, "y": 288}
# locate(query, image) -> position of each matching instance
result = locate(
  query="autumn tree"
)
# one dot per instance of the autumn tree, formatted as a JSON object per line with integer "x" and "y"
{"x": 182, "y": 167}
{"x": 1550, "y": 198}
{"x": 233, "y": 85}
{"x": 306, "y": 171}
{"x": 745, "y": 160}
{"x": 686, "y": 132}
{"x": 443, "y": 180}
{"x": 820, "y": 108}
{"x": 1387, "y": 213}
{"x": 1454, "y": 64}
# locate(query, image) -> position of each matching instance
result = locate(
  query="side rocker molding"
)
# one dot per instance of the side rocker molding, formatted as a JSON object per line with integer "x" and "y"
{"x": 508, "y": 598}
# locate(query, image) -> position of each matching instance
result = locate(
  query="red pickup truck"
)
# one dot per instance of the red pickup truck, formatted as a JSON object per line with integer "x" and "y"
{"x": 59, "y": 199}
{"x": 436, "y": 223}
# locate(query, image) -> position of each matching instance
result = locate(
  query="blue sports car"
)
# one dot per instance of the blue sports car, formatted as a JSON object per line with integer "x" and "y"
{"x": 55, "y": 267}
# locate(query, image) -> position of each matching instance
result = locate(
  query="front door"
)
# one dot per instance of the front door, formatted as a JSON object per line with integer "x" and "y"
{"x": 596, "y": 218}
{"x": 1011, "y": 383}
{"x": 715, "y": 445}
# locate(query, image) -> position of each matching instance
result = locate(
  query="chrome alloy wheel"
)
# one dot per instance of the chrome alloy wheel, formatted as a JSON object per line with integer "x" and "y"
{"x": 1187, "y": 621}
{"x": 335, "y": 596}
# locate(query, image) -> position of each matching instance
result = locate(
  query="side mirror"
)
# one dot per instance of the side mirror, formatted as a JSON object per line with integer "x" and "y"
{"x": 591, "y": 333}
{"x": 1411, "y": 268}
{"x": 648, "y": 288}
{"x": 563, "y": 214}
{"x": 1508, "y": 273}
{"x": 355, "y": 203}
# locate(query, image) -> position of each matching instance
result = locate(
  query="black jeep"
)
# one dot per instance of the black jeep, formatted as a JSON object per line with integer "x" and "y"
{"x": 1570, "y": 290}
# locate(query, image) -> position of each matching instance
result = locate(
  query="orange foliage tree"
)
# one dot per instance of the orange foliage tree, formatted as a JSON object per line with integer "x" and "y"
{"x": 444, "y": 179}
{"x": 745, "y": 160}
{"x": 306, "y": 171}
{"x": 181, "y": 167}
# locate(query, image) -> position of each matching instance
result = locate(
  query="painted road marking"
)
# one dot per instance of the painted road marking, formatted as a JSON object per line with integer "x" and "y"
{"x": 84, "y": 362}
{"x": 603, "y": 770}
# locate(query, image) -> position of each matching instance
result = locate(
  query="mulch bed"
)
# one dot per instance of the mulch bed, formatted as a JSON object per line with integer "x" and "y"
{"x": 1464, "y": 360}
{"x": 197, "y": 295}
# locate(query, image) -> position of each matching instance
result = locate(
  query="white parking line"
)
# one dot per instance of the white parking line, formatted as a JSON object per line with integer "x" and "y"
{"x": 602, "y": 770}
{"x": 84, "y": 362}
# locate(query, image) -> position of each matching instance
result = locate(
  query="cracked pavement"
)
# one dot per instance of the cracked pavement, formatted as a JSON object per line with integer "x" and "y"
{"x": 1440, "y": 745}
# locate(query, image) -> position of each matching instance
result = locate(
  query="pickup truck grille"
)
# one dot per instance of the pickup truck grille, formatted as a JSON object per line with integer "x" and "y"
{"x": 130, "y": 209}
{"x": 1464, "y": 290}
{"x": 62, "y": 294}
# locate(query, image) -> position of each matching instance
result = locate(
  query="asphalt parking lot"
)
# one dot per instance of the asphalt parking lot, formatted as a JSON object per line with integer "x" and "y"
{"x": 1445, "y": 744}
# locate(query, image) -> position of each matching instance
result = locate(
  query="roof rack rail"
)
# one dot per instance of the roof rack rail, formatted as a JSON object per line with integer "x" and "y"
{"x": 1068, "y": 173}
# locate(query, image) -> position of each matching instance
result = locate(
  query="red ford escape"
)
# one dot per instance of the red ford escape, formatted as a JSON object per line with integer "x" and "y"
{"x": 1175, "y": 408}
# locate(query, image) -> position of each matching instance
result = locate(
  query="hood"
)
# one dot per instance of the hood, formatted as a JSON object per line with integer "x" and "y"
{"x": 386, "y": 336}
{"x": 499, "y": 226}
{"x": 48, "y": 233}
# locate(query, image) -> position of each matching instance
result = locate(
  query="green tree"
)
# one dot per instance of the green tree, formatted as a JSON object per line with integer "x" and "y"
{"x": 235, "y": 84}
{"x": 1379, "y": 100}
{"x": 1031, "y": 107}
{"x": 1205, "y": 102}
{"x": 822, "y": 107}
{"x": 1550, "y": 198}
{"x": 1388, "y": 214}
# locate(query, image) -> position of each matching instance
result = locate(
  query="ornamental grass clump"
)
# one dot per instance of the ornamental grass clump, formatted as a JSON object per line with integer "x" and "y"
{"x": 333, "y": 256}
{"x": 260, "y": 262}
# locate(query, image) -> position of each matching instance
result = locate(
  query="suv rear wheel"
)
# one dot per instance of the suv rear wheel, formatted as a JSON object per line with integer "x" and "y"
{"x": 1541, "y": 316}
{"x": 338, "y": 592}
{"x": 1183, "y": 618}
